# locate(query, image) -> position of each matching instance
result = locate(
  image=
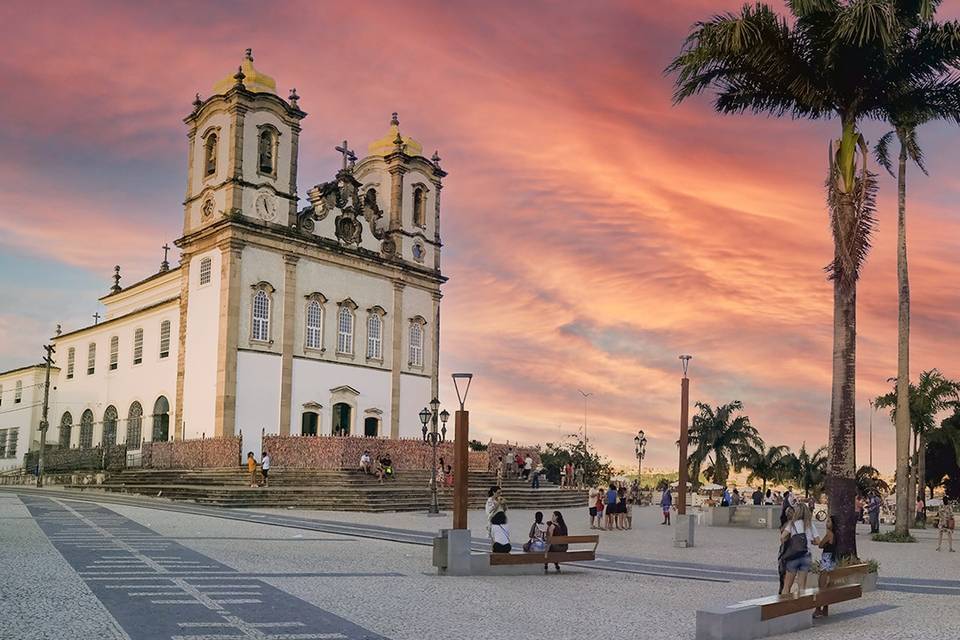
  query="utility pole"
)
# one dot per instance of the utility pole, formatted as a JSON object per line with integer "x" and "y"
{"x": 43, "y": 419}
{"x": 585, "y": 396}
{"x": 871, "y": 431}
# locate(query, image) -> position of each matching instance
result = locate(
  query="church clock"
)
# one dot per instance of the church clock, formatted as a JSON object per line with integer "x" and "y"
{"x": 266, "y": 206}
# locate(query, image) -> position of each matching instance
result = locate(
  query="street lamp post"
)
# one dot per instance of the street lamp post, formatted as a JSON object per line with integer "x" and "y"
{"x": 640, "y": 448}
{"x": 870, "y": 402}
{"x": 461, "y": 452}
{"x": 433, "y": 437}
{"x": 684, "y": 436}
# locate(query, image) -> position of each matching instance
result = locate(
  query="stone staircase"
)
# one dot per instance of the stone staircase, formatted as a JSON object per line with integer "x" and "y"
{"x": 344, "y": 490}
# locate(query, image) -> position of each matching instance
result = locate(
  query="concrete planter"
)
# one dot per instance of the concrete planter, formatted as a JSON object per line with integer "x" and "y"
{"x": 869, "y": 582}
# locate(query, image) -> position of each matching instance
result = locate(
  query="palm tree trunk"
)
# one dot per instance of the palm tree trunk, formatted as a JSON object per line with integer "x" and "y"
{"x": 904, "y": 498}
{"x": 921, "y": 470}
{"x": 912, "y": 485}
{"x": 842, "y": 465}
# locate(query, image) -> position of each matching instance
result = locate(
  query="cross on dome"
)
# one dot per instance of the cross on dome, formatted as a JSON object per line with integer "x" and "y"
{"x": 252, "y": 80}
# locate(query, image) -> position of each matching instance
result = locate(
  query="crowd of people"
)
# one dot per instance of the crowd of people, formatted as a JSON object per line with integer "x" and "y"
{"x": 540, "y": 538}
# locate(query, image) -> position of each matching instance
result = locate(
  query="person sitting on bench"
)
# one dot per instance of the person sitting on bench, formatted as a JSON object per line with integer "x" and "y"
{"x": 538, "y": 535}
{"x": 500, "y": 532}
{"x": 557, "y": 527}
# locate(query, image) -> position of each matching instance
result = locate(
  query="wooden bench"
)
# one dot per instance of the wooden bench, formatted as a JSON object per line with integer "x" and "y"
{"x": 771, "y": 615}
{"x": 551, "y": 557}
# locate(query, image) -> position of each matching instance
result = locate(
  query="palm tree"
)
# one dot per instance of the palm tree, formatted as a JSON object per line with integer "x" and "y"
{"x": 830, "y": 60}
{"x": 869, "y": 480}
{"x": 768, "y": 465}
{"x": 913, "y": 101}
{"x": 808, "y": 470}
{"x": 721, "y": 439}
{"x": 933, "y": 394}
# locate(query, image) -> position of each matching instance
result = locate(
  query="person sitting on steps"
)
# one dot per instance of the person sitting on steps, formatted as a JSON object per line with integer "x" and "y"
{"x": 384, "y": 468}
{"x": 366, "y": 463}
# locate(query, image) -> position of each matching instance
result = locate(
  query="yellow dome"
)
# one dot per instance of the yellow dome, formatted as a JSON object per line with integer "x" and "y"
{"x": 253, "y": 80}
{"x": 388, "y": 143}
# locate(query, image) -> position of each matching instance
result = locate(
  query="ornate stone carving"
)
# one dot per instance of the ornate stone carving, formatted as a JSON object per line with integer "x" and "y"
{"x": 343, "y": 195}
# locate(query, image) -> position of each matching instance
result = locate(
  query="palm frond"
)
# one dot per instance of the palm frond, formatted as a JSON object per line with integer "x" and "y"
{"x": 881, "y": 151}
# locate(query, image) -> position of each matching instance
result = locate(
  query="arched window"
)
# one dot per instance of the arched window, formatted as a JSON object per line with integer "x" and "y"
{"x": 419, "y": 207}
{"x": 91, "y": 358}
{"x": 206, "y": 268}
{"x": 416, "y": 343}
{"x": 345, "y": 330}
{"x": 164, "y": 338}
{"x": 161, "y": 420}
{"x": 86, "y": 429}
{"x": 66, "y": 426}
{"x": 134, "y": 425}
{"x": 71, "y": 359}
{"x": 138, "y": 346}
{"x": 266, "y": 152}
{"x": 109, "y": 427}
{"x": 114, "y": 352}
{"x": 375, "y": 337}
{"x": 341, "y": 419}
{"x": 371, "y": 427}
{"x": 314, "y": 336}
{"x": 210, "y": 155}
{"x": 18, "y": 392}
{"x": 309, "y": 423}
{"x": 260, "y": 327}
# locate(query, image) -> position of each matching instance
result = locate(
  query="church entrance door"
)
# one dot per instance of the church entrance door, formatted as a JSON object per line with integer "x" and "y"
{"x": 308, "y": 423}
{"x": 371, "y": 427}
{"x": 161, "y": 420}
{"x": 341, "y": 419}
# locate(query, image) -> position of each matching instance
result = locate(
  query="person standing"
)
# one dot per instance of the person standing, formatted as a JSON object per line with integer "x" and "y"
{"x": 252, "y": 468}
{"x": 592, "y": 504}
{"x": 527, "y": 466}
{"x": 946, "y": 525}
{"x": 611, "y": 506}
{"x": 666, "y": 502}
{"x": 518, "y": 462}
{"x": 578, "y": 477}
{"x": 510, "y": 462}
{"x": 859, "y": 508}
{"x": 757, "y": 497}
{"x": 501, "y": 467}
{"x": 873, "y": 510}
{"x": 787, "y": 503}
{"x": 535, "y": 477}
{"x": 828, "y": 543}
{"x": 599, "y": 507}
{"x": 800, "y": 536}
{"x": 265, "y": 467}
{"x": 921, "y": 519}
{"x": 725, "y": 498}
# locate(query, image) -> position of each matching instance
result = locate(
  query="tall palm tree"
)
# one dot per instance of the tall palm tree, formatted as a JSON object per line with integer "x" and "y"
{"x": 830, "y": 60}
{"x": 913, "y": 100}
{"x": 767, "y": 465}
{"x": 809, "y": 470}
{"x": 721, "y": 439}
{"x": 931, "y": 395}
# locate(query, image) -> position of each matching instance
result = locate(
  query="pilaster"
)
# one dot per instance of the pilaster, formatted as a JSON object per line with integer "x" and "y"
{"x": 235, "y": 158}
{"x": 435, "y": 356}
{"x": 182, "y": 343}
{"x": 287, "y": 339}
{"x": 226, "y": 407}
{"x": 396, "y": 359}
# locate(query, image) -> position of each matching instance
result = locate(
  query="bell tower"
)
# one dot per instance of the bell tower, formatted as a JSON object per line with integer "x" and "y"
{"x": 243, "y": 143}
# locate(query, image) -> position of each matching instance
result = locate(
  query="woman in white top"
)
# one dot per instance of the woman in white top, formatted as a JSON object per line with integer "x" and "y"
{"x": 538, "y": 535}
{"x": 800, "y": 536}
{"x": 500, "y": 533}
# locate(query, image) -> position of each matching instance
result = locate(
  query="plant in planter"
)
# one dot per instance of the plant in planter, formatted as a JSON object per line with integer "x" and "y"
{"x": 868, "y": 581}
{"x": 892, "y": 536}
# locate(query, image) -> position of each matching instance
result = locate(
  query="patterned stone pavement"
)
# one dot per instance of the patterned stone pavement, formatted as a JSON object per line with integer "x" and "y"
{"x": 141, "y": 576}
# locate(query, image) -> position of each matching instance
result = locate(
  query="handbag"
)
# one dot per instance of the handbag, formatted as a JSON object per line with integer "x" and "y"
{"x": 796, "y": 547}
{"x": 951, "y": 523}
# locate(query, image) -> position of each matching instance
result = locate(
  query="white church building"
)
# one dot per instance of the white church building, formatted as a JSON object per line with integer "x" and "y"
{"x": 279, "y": 319}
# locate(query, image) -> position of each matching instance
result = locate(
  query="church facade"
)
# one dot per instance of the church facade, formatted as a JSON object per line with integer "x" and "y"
{"x": 323, "y": 319}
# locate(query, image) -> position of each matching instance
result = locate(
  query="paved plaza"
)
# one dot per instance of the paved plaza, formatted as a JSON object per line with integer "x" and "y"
{"x": 91, "y": 566}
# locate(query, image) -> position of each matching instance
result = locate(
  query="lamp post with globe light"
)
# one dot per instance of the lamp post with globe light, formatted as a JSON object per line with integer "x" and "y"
{"x": 640, "y": 449}
{"x": 434, "y": 437}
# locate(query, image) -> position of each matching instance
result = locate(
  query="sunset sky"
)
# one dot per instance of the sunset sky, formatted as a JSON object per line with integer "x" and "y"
{"x": 593, "y": 232}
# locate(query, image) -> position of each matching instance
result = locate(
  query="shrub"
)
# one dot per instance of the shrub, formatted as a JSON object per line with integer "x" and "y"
{"x": 892, "y": 536}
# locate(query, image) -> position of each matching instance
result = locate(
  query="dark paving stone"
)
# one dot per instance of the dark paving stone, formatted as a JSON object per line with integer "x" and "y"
{"x": 158, "y": 589}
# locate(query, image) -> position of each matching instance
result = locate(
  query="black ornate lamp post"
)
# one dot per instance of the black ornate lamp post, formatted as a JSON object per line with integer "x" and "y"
{"x": 433, "y": 437}
{"x": 640, "y": 449}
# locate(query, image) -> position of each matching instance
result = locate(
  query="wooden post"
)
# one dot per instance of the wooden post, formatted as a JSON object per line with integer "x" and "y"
{"x": 684, "y": 410}
{"x": 461, "y": 469}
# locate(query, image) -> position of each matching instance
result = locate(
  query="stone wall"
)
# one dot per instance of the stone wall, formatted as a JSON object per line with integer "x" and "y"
{"x": 62, "y": 460}
{"x": 337, "y": 452}
{"x": 205, "y": 453}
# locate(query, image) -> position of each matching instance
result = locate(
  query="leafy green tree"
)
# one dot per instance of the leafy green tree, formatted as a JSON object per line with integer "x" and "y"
{"x": 869, "y": 480}
{"x": 767, "y": 465}
{"x": 556, "y": 455}
{"x": 831, "y": 58}
{"x": 931, "y": 395}
{"x": 720, "y": 439}
{"x": 808, "y": 470}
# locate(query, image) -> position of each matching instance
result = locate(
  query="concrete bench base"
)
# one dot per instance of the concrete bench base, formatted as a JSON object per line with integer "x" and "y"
{"x": 725, "y": 623}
